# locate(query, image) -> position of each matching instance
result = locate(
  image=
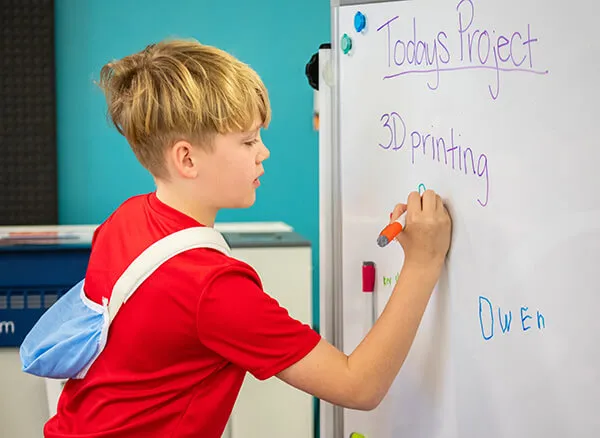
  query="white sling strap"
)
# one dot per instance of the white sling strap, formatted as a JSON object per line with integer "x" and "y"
{"x": 158, "y": 253}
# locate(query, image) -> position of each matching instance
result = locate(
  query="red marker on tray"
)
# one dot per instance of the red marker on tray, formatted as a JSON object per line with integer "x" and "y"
{"x": 368, "y": 285}
{"x": 368, "y": 277}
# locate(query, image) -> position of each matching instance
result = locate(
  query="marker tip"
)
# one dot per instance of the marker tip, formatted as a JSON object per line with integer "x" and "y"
{"x": 382, "y": 241}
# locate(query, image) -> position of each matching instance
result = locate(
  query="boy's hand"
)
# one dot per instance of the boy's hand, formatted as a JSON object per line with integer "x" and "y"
{"x": 426, "y": 238}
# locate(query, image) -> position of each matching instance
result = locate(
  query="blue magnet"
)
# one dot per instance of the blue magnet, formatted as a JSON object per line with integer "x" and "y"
{"x": 360, "y": 21}
{"x": 346, "y": 44}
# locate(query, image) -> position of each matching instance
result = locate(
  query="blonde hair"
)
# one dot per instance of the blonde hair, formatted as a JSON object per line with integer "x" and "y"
{"x": 181, "y": 89}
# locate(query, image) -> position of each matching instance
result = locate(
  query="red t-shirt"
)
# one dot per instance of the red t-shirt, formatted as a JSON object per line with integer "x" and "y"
{"x": 179, "y": 348}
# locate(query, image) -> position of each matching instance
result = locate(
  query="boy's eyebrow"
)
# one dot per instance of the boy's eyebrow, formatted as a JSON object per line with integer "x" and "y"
{"x": 249, "y": 134}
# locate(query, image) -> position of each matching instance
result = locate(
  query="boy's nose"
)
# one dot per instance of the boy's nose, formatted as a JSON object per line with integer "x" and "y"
{"x": 264, "y": 153}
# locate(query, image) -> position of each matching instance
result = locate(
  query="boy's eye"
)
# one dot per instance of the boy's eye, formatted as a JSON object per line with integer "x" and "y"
{"x": 251, "y": 142}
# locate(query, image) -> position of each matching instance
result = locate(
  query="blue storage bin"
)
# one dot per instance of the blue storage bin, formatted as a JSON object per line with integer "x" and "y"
{"x": 32, "y": 278}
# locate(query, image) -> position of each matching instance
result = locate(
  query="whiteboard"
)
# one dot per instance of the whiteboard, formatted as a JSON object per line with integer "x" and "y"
{"x": 495, "y": 105}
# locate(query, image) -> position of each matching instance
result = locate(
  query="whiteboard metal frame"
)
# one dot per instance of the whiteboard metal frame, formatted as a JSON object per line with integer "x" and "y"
{"x": 326, "y": 301}
{"x": 335, "y": 424}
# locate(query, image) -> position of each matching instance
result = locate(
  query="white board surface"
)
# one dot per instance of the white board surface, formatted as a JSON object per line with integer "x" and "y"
{"x": 495, "y": 105}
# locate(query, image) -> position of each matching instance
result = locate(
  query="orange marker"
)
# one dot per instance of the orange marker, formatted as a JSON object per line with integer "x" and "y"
{"x": 390, "y": 232}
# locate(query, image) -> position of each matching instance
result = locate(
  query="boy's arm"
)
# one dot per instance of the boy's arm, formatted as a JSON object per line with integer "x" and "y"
{"x": 361, "y": 380}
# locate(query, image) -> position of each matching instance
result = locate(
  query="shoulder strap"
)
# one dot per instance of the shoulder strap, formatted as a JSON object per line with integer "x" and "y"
{"x": 158, "y": 253}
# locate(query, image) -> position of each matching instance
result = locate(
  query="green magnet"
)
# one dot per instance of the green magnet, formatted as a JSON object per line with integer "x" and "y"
{"x": 346, "y": 44}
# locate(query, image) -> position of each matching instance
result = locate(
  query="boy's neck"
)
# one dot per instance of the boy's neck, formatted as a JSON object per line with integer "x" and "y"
{"x": 203, "y": 215}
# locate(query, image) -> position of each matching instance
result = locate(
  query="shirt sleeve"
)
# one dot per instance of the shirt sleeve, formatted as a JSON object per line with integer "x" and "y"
{"x": 239, "y": 321}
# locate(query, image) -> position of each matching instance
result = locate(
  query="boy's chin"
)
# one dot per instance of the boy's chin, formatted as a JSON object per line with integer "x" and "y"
{"x": 245, "y": 203}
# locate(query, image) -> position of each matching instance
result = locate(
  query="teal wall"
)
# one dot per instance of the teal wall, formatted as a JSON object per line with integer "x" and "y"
{"x": 98, "y": 171}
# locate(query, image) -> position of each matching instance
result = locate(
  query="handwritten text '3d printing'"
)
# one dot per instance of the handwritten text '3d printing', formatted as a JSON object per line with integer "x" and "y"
{"x": 441, "y": 149}
{"x": 527, "y": 319}
{"x": 476, "y": 49}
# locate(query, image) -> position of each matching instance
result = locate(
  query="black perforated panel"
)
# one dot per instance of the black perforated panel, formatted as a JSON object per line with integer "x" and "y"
{"x": 28, "y": 192}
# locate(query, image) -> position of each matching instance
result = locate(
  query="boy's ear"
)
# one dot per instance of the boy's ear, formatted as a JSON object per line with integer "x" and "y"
{"x": 183, "y": 159}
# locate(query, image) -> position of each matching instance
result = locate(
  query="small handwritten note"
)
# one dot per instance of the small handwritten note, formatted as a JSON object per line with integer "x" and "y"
{"x": 390, "y": 281}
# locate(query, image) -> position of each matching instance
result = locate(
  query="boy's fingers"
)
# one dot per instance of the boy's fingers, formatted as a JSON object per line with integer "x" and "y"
{"x": 414, "y": 202}
{"x": 399, "y": 210}
{"x": 429, "y": 201}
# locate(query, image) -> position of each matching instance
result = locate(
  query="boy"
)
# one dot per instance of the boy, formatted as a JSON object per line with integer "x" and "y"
{"x": 178, "y": 351}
